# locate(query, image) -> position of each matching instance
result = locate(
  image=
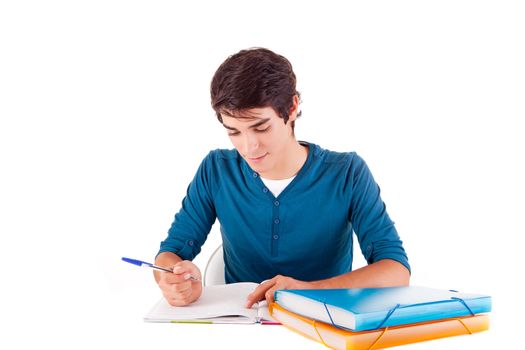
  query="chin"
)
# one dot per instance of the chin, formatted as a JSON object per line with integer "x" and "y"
{"x": 258, "y": 167}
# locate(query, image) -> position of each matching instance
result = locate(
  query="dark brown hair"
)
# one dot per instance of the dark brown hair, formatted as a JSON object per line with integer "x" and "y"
{"x": 253, "y": 78}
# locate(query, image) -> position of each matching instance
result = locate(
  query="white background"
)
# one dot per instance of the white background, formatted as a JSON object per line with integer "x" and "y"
{"x": 105, "y": 116}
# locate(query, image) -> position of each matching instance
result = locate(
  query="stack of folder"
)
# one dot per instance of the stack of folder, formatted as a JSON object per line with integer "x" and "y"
{"x": 376, "y": 318}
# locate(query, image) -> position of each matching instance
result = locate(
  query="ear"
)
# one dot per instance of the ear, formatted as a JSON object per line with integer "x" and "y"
{"x": 294, "y": 109}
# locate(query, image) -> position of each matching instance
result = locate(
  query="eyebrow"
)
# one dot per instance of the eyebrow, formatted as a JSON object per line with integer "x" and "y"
{"x": 260, "y": 122}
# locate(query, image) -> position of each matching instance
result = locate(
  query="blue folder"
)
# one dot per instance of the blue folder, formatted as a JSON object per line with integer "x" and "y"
{"x": 362, "y": 309}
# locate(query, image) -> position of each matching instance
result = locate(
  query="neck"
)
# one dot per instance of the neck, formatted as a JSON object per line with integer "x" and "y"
{"x": 290, "y": 163}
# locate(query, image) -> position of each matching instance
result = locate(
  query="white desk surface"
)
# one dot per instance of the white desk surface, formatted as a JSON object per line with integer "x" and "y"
{"x": 117, "y": 324}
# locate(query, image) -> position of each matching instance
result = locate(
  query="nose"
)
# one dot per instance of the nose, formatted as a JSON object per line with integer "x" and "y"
{"x": 250, "y": 144}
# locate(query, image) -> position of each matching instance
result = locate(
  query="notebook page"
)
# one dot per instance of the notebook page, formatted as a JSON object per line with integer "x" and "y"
{"x": 227, "y": 300}
{"x": 264, "y": 312}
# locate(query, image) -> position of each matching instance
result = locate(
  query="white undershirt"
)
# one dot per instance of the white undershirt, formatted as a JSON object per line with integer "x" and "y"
{"x": 277, "y": 186}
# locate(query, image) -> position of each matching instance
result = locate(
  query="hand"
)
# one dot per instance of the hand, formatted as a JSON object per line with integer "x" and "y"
{"x": 266, "y": 289}
{"x": 178, "y": 288}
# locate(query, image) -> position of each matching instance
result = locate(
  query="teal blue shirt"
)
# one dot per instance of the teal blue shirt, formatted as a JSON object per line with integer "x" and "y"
{"x": 305, "y": 233}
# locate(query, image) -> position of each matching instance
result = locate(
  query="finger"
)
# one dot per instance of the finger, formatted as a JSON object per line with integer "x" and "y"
{"x": 178, "y": 298}
{"x": 180, "y": 287}
{"x": 185, "y": 294}
{"x": 179, "y": 273}
{"x": 187, "y": 269}
{"x": 170, "y": 278}
{"x": 172, "y": 284}
{"x": 189, "y": 276}
{"x": 179, "y": 302}
{"x": 180, "y": 269}
{"x": 269, "y": 295}
{"x": 258, "y": 293}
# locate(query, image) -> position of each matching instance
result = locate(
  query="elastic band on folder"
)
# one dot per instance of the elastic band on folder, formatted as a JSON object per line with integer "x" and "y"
{"x": 464, "y": 325}
{"x": 380, "y": 325}
{"x": 378, "y": 338}
{"x": 465, "y": 304}
{"x": 330, "y": 316}
{"x": 319, "y": 334}
{"x": 388, "y": 315}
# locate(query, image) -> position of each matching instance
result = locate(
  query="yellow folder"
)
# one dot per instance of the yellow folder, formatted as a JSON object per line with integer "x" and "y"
{"x": 336, "y": 338}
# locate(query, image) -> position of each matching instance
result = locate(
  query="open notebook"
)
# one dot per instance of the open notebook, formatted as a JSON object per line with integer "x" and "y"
{"x": 218, "y": 304}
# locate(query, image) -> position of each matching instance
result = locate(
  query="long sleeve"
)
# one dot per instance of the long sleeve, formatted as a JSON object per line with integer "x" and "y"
{"x": 193, "y": 222}
{"x": 376, "y": 233}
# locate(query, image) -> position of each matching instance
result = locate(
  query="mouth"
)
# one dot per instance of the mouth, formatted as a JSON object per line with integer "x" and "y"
{"x": 256, "y": 159}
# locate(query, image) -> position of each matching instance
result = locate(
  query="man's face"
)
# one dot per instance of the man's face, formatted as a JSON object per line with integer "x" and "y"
{"x": 262, "y": 140}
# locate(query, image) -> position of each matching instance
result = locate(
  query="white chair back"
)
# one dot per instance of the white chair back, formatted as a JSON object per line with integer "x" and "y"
{"x": 214, "y": 272}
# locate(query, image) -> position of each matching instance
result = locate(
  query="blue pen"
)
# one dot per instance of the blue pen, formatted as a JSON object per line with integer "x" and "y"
{"x": 155, "y": 267}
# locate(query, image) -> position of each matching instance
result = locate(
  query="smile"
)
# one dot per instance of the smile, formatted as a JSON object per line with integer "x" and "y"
{"x": 257, "y": 158}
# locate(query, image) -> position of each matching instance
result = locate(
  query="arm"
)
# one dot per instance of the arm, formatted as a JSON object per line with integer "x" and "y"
{"x": 384, "y": 273}
{"x": 193, "y": 222}
{"x": 185, "y": 237}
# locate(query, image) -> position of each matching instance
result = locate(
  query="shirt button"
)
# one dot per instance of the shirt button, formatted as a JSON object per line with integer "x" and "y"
{"x": 255, "y": 175}
{"x": 190, "y": 242}
{"x": 276, "y": 203}
{"x": 275, "y": 236}
{"x": 265, "y": 190}
{"x": 276, "y": 221}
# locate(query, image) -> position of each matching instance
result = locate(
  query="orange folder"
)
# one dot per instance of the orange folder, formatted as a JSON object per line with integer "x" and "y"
{"x": 336, "y": 338}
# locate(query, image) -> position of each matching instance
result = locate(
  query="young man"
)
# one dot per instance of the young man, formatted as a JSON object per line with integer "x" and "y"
{"x": 287, "y": 209}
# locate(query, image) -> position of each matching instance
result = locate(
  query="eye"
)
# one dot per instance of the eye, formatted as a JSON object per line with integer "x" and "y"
{"x": 235, "y": 133}
{"x": 263, "y": 130}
